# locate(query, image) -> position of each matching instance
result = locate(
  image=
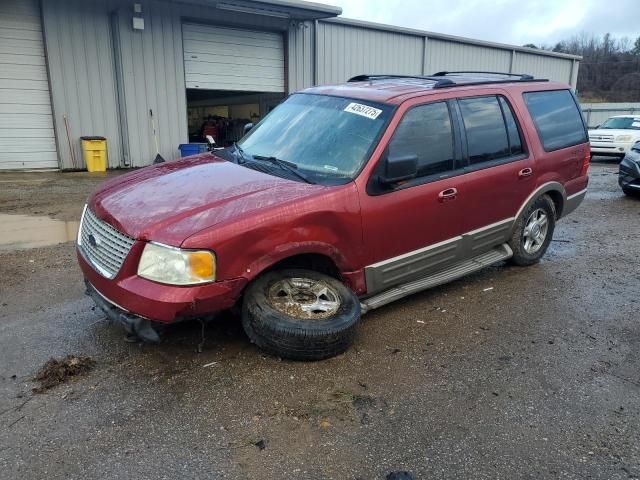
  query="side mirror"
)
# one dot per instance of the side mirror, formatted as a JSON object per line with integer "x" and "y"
{"x": 210, "y": 140}
{"x": 247, "y": 128}
{"x": 398, "y": 168}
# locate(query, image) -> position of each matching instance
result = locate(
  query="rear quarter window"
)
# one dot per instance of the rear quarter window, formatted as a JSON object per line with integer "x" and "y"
{"x": 557, "y": 118}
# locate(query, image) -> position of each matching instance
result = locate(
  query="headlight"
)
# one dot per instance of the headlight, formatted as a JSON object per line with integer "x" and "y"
{"x": 176, "y": 266}
{"x": 623, "y": 138}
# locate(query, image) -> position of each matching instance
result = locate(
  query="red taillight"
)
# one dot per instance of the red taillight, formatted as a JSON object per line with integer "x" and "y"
{"x": 585, "y": 162}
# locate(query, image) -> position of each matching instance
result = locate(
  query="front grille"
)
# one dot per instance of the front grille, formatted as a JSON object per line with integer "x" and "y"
{"x": 601, "y": 138}
{"x": 102, "y": 246}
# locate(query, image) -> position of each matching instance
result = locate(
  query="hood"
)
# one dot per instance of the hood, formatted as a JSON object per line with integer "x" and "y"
{"x": 615, "y": 132}
{"x": 169, "y": 202}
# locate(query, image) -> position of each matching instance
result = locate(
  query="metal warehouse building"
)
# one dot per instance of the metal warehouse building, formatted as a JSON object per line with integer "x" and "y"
{"x": 144, "y": 74}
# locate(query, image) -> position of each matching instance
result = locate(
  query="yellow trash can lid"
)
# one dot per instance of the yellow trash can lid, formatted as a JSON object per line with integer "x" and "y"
{"x": 92, "y": 138}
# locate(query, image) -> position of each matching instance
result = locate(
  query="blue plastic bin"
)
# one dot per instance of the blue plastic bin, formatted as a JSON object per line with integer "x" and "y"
{"x": 187, "y": 149}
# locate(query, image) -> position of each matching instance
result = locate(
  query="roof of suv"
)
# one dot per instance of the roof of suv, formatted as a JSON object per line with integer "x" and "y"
{"x": 395, "y": 89}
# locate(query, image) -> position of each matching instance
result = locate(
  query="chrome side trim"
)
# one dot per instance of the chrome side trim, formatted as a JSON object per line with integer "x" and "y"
{"x": 581, "y": 192}
{"x": 485, "y": 238}
{"x": 573, "y": 202}
{"x": 393, "y": 271}
{"x": 456, "y": 271}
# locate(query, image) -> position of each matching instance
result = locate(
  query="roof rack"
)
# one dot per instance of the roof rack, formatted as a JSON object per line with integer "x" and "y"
{"x": 454, "y": 79}
{"x": 519, "y": 76}
{"x": 438, "y": 82}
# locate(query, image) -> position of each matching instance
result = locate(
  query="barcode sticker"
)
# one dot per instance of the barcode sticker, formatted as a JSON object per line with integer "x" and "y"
{"x": 363, "y": 110}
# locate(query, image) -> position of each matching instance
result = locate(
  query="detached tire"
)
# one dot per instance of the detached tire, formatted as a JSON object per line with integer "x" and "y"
{"x": 533, "y": 232}
{"x": 300, "y": 314}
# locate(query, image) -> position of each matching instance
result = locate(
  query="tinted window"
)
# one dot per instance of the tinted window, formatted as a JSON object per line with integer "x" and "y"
{"x": 515, "y": 141}
{"x": 487, "y": 137}
{"x": 557, "y": 118}
{"x": 622, "y": 123}
{"x": 426, "y": 132}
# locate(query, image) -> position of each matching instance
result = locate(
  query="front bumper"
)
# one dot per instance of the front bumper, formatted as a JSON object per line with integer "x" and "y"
{"x": 613, "y": 149}
{"x": 629, "y": 174}
{"x": 139, "y": 297}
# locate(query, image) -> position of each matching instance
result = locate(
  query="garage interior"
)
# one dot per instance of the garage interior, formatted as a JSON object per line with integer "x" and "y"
{"x": 233, "y": 77}
{"x": 223, "y": 114}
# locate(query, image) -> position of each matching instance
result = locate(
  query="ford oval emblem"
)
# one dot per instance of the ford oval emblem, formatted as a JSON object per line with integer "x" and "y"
{"x": 94, "y": 240}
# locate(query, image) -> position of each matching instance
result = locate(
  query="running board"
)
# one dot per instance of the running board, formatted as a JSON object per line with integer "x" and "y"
{"x": 458, "y": 270}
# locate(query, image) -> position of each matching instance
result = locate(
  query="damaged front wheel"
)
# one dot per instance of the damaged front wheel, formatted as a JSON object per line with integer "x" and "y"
{"x": 300, "y": 314}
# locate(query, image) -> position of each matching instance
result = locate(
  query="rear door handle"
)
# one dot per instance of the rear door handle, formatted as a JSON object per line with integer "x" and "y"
{"x": 448, "y": 194}
{"x": 525, "y": 172}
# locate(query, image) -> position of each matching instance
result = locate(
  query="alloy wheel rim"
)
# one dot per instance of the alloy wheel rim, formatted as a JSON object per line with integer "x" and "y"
{"x": 535, "y": 231}
{"x": 304, "y": 298}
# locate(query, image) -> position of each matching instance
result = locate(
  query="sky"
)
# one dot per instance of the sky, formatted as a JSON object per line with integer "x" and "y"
{"x": 515, "y": 22}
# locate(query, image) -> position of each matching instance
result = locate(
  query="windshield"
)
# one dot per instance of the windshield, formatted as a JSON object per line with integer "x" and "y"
{"x": 329, "y": 137}
{"x": 622, "y": 123}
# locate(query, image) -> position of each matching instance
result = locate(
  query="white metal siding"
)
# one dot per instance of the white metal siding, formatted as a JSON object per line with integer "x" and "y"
{"x": 344, "y": 51}
{"x": 452, "y": 56}
{"x": 220, "y": 58}
{"x": 26, "y": 122}
{"x": 558, "y": 69}
{"x": 300, "y": 59}
{"x": 80, "y": 55}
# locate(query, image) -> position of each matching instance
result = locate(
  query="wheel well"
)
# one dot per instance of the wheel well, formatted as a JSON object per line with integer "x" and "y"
{"x": 309, "y": 261}
{"x": 558, "y": 201}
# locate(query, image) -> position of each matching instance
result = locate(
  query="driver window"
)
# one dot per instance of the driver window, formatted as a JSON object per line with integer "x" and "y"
{"x": 426, "y": 132}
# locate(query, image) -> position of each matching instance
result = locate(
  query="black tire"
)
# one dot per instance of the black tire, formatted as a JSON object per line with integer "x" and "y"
{"x": 286, "y": 336}
{"x": 630, "y": 192}
{"x": 520, "y": 256}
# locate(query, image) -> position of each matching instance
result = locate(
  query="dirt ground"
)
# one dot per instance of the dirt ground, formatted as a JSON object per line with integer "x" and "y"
{"x": 509, "y": 373}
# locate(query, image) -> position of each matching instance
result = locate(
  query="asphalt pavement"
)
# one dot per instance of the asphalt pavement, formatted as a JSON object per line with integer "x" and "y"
{"x": 509, "y": 373}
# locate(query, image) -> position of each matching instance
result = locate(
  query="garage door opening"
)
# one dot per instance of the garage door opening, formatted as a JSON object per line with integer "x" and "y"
{"x": 223, "y": 114}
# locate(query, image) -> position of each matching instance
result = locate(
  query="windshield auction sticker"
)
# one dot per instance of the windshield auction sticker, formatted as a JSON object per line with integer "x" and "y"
{"x": 363, "y": 110}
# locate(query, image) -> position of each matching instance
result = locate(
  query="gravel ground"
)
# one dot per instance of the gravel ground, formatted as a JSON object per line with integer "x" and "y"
{"x": 509, "y": 373}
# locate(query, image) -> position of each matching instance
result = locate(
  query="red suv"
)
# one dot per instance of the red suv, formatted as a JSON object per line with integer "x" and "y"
{"x": 342, "y": 199}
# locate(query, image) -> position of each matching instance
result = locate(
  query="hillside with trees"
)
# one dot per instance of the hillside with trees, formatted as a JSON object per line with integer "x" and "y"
{"x": 609, "y": 70}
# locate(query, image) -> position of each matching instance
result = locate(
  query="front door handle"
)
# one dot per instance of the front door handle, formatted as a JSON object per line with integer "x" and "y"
{"x": 525, "y": 172}
{"x": 448, "y": 194}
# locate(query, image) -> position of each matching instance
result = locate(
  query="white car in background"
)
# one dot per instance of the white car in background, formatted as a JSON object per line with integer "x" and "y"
{"x": 616, "y": 136}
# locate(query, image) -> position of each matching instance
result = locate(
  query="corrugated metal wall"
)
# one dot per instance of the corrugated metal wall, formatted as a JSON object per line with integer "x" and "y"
{"x": 348, "y": 47}
{"x": 300, "y": 56}
{"x": 553, "y": 68}
{"x": 447, "y": 55}
{"x": 596, "y": 113}
{"x": 344, "y": 51}
{"x": 92, "y": 47}
{"x": 80, "y": 58}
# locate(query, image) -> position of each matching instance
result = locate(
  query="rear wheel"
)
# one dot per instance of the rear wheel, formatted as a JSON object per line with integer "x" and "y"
{"x": 630, "y": 192}
{"x": 300, "y": 314}
{"x": 533, "y": 232}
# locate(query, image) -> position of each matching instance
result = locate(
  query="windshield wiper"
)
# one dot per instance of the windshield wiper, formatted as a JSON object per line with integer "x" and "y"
{"x": 240, "y": 152}
{"x": 288, "y": 166}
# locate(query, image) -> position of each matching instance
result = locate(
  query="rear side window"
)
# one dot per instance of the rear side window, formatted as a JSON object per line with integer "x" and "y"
{"x": 426, "y": 131}
{"x": 557, "y": 118}
{"x": 487, "y": 137}
{"x": 515, "y": 142}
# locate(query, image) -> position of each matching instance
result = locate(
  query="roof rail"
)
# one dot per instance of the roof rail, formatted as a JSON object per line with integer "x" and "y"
{"x": 454, "y": 79}
{"x": 437, "y": 82}
{"x": 520, "y": 76}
